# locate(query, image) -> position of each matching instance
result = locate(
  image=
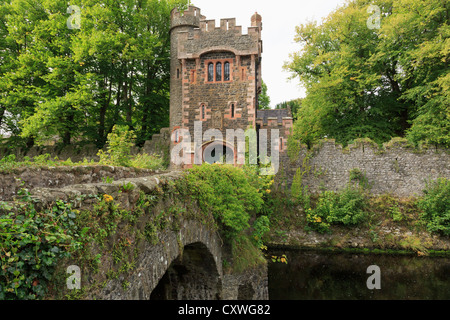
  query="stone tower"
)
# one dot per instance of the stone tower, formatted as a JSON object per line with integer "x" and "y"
{"x": 215, "y": 80}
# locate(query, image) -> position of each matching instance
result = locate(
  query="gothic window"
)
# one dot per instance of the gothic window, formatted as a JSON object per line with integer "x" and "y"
{"x": 218, "y": 71}
{"x": 226, "y": 72}
{"x": 211, "y": 72}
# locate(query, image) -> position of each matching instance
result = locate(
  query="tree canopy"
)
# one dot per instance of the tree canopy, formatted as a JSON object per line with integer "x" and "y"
{"x": 378, "y": 83}
{"x": 76, "y": 83}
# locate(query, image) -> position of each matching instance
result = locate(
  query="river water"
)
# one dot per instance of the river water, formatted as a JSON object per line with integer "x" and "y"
{"x": 313, "y": 275}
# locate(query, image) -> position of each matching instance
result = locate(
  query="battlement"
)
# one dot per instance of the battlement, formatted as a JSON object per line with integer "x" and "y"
{"x": 189, "y": 17}
{"x": 228, "y": 24}
{"x": 190, "y": 12}
{"x": 202, "y": 34}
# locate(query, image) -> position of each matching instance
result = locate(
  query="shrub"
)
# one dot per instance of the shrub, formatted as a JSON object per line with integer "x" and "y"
{"x": 436, "y": 206}
{"x": 346, "y": 208}
{"x": 229, "y": 193}
{"x": 118, "y": 151}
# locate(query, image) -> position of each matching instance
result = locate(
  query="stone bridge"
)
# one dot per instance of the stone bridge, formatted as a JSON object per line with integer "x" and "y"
{"x": 185, "y": 264}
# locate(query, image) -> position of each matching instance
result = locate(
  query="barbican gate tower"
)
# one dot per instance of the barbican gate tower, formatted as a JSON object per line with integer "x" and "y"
{"x": 216, "y": 79}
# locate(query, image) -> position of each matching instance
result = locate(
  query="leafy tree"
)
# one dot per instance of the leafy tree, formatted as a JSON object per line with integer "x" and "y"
{"x": 295, "y": 105}
{"x": 263, "y": 98}
{"x": 77, "y": 84}
{"x": 375, "y": 83}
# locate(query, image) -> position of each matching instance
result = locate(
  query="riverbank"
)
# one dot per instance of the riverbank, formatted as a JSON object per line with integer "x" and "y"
{"x": 389, "y": 240}
{"x": 381, "y": 232}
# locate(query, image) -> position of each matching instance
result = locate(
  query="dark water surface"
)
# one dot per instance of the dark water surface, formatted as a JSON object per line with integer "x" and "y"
{"x": 311, "y": 275}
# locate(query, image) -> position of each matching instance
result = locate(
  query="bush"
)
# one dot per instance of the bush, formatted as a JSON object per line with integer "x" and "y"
{"x": 118, "y": 151}
{"x": 229, "y": 193}
{"x": 436, "y": 206}
{"x": 345, "y": 208}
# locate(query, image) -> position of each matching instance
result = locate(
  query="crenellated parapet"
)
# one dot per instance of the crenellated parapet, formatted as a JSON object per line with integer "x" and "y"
{"x": 206, "y": 36}
{"x": 189, "y": 17}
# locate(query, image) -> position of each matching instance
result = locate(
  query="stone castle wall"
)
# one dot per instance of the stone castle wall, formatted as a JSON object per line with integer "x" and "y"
{"x": 396, "y": 169}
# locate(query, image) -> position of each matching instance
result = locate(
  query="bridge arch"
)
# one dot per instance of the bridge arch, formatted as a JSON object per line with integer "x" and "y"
{"x": 192, "y": 275}
{"x": 189, "y": 259}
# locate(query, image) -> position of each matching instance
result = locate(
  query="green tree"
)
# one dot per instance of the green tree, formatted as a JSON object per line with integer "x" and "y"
{"x": 375, "y": 83}
{"x": 76, "y": 84}
{"x": 295, "y": 105}
{"x": 263, "y": 97}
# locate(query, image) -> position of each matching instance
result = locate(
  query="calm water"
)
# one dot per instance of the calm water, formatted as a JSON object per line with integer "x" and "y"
{"x": 313, "y": 275}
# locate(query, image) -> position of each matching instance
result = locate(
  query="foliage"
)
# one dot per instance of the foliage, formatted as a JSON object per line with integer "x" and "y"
{"x": 299, "y": 192}
{"x": 356, "y": 175}
{"x": 76, "y": 84}
{"x": 281, "y": 259}
{"x": 436, "y": 206}
{"x": 261, "y": 226}
{"x": 9, "y": 162}
{"x": 263, "y": 98}
{"x": 118, "y": 152}
{"x": 346, "y": 208}
{"x": 227, "y": 193}
{"x": 375, "y": 83}
{"x": 295, "y": 106}
{"x": 31, "y": 244}
{"x": 146, "y": 161}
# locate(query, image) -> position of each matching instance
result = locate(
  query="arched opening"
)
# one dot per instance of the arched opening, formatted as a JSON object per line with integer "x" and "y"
{"x": 219, "y": 71}
{"x": 211, "y": 72}
{"x": 192, "y": 276}
{"x": 218, "y": 153}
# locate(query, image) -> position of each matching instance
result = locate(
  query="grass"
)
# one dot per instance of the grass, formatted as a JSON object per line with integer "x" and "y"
{"x": 140, "y": 161}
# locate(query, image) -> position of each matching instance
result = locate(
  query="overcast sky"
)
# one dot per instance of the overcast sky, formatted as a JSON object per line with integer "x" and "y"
{"x": 279, "y": 20}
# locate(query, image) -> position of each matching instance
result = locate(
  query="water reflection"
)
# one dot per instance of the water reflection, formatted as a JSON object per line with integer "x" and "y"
{"x": 311, "y": 275}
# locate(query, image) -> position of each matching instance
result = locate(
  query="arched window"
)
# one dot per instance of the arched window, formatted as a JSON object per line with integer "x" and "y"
{"x": 211, "y": 72}
{"x": 232, "y": 110}
{"x": 226, "y": 71}
{"x": 219, "y": 71}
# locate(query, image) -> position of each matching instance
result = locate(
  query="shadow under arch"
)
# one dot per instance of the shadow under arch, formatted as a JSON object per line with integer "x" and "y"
{"x": 217, "y": 151}
{"x": 193, "y": 275}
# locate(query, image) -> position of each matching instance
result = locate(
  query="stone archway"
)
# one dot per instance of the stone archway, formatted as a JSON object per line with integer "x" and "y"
{"x": 217, "y": 151}
{"x": 191, "y": 276}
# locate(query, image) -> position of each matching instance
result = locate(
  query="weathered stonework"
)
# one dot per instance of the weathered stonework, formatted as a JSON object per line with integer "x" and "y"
{"x": 398, "y": 170}
{"x": 184, "y": 264}
{"x": 60, "y": 177}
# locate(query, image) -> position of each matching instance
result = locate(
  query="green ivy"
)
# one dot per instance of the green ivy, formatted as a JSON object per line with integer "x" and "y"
{"x": 31, "y": 244}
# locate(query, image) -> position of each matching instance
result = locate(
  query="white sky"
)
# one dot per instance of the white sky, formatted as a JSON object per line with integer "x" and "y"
{"x": 279, "y": 21}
